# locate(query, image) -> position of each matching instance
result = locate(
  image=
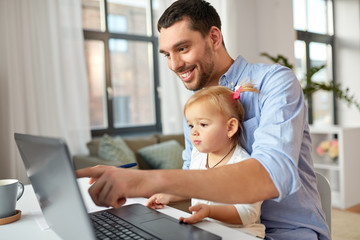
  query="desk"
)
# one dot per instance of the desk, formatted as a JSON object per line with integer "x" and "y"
{"x": 29, "y": 226}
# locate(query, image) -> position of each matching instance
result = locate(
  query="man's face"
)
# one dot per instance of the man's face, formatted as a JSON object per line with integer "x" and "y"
{"x": 189, "y": 55}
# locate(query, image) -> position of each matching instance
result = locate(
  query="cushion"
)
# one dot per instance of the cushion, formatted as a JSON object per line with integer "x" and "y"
{"x": 115, "y": 150}
{"x": 178, "y": 137}
{"x": 165, "y": 155}
{"x": 93, "y": 147}
{"x": 136, "y": 143}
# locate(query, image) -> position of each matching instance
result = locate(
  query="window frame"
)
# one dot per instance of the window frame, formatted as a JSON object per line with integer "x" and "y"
{"x": 307, "y": 38}
{"x": 105, "y": 36}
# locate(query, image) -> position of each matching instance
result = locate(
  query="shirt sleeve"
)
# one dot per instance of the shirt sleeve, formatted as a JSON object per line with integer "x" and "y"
{"x": 249, "y": 213}
{"x": 279, "y": 134}
{"x": 186, "y": 154}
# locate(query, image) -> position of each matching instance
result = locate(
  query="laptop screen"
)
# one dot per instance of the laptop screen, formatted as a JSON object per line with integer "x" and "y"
{"x": 48, "y": 165}
{"x": 50, "y": 170}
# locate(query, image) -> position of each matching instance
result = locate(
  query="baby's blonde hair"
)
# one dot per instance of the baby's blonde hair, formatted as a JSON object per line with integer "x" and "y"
{"x": 223, "y": 100}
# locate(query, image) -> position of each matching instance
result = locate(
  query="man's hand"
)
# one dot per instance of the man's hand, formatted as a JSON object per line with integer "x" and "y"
{"x": 110, "y": 184}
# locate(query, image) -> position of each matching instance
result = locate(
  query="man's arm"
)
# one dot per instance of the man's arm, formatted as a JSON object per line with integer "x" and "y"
{"x": 243, "y": 182}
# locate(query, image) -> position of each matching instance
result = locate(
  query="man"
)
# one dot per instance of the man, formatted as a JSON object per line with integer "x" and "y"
{"x": 276, "y": 134}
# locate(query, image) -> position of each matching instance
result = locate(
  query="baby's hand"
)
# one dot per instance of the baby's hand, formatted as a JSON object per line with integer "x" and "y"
{"x": 158, "y": 201}
{"x": 200, "y": 211}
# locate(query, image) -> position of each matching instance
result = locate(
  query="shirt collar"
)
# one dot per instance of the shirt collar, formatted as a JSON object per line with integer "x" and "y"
{"x": 232, "y": 77}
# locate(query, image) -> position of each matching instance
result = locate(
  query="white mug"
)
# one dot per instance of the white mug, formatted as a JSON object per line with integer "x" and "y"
{"x": 11, "y": 190}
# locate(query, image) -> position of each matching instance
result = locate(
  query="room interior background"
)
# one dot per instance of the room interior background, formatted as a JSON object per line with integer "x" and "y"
{"x": 43, "y": 82}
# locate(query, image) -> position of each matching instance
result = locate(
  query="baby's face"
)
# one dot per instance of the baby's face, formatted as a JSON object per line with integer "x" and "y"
{"x": 208, "y": 127}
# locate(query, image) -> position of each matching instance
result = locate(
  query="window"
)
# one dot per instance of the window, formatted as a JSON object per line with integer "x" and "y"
{"x": 313, "y": 22}
{"x": 121, "y": 58}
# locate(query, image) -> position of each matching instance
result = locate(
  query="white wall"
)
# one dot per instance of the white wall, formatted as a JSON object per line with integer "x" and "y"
{"x": 347, "y": 45}
{"x": 255, "y": 26}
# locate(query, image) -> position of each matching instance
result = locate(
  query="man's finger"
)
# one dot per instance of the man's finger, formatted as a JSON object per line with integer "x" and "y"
{"x": 94, "y": 192}
{"x": 105, "y": 194}
{"x": 119, "y": 203}
{"x": 92, "y": 180}
{"x": 92, "y": 172}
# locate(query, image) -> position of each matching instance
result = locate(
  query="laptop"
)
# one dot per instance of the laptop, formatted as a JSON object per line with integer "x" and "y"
{"x": 51, "y": 173}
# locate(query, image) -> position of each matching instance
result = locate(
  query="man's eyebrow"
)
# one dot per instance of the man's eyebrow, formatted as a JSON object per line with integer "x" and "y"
{"x": 176, "y": 45}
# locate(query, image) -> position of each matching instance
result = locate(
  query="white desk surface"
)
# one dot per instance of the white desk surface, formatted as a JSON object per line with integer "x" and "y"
{"x": 31, "y": 224}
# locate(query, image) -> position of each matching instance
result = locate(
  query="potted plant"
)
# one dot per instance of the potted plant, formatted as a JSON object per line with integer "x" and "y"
{"x": 309, "y": 86}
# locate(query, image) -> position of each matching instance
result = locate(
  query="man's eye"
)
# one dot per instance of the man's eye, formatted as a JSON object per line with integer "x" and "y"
{"x": 203, "y": 124}
{"x": 182, "y": 49}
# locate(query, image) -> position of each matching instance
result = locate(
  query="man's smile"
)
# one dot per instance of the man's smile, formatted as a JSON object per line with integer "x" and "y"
{"x": 187, "y": 75}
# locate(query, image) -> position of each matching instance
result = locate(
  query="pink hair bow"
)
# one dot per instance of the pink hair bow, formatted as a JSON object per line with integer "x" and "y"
{"x": 237, "y": 92}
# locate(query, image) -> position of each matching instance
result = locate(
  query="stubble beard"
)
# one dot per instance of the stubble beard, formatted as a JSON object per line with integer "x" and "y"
{"x": 205, "y": 77}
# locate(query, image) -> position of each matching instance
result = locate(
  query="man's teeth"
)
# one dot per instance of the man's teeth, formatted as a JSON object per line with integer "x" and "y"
{"x": 185, "y": 75}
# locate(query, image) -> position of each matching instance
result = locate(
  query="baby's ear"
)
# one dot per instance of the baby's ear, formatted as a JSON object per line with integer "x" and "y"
{"x": 232, "y": 127}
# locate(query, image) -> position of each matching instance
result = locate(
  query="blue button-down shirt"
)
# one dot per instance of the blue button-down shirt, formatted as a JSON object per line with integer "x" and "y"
{"x": 276, "y": 133}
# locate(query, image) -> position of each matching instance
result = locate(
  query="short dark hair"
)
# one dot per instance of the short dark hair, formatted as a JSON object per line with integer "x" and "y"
{"x": 201, "y": 14}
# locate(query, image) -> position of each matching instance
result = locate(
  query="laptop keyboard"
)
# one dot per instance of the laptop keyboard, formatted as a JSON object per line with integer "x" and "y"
{"x": 109, "y": 226}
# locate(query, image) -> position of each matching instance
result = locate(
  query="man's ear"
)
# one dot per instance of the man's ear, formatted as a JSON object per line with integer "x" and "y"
{"x": 232, "y": 127}
{"x": 215, "y": 36}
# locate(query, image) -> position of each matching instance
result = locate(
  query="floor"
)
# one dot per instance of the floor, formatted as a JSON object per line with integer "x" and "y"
{"x": 354, "y": 209}
{"x": 345, "y": 224}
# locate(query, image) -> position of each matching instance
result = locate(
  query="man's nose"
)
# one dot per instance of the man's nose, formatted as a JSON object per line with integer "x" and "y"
{"x": 175, "y": 63}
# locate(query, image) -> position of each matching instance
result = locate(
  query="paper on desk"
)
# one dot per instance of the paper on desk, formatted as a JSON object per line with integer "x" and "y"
{"x": 89, "y": 203}
{"x": 40, "y": 220}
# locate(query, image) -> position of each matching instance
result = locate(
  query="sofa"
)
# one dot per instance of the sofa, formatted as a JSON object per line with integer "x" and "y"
{"x": 156, "y": 151}
{"x": 137, "y": 145}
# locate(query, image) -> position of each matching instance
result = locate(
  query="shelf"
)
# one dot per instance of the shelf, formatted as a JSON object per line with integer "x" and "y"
{"x": 343, "y": 173}
{"x": 327, "y": 166}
